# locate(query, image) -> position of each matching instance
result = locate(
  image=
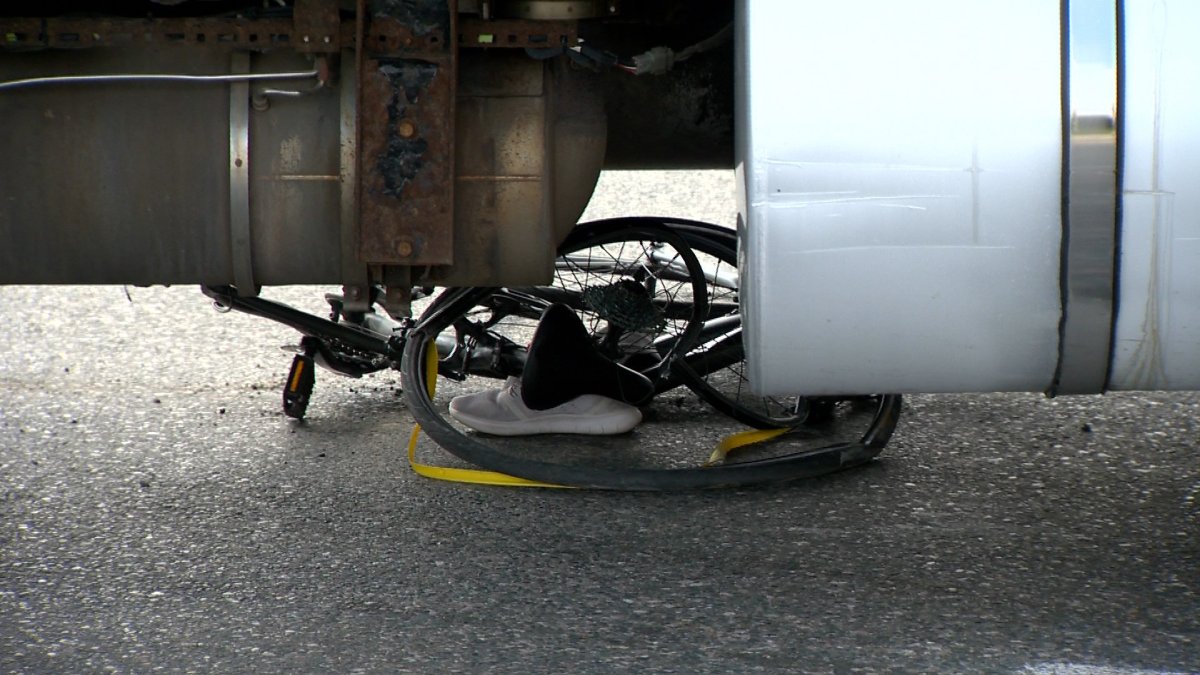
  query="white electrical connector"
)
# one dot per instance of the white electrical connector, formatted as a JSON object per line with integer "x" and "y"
{"x": 657, "y": 61}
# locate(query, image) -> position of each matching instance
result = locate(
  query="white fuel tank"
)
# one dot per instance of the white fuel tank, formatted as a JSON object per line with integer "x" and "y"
{"x": 941, "y": 196}
{"x": 1156, "y": 341}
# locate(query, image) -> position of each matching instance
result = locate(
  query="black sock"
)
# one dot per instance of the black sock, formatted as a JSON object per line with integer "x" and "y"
{"x": 563, "y": 363}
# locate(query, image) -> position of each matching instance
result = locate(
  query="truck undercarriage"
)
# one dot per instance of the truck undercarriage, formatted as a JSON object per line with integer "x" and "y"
{"x": 389, "y": 146}
{"x": 367, "y": 144}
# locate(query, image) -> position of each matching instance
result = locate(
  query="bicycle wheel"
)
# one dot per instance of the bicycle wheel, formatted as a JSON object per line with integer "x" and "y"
{"x": 714, "y": 368}
{"x": 638, "y": 287}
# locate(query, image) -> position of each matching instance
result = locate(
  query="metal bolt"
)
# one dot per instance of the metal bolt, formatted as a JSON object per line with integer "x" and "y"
{"x": 404, "y": 249}
{"x": 305, "y": 38}
{"x": 406, "y": 129}
{"x": 328, "y": 39}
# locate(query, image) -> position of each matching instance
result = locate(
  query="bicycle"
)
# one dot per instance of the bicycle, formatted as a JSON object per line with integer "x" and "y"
{"x": 690, "y": 268}
{"x": 659, "y": 295}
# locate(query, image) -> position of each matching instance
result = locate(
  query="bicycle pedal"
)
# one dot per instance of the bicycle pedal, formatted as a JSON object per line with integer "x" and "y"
{"x": 298, "y": 388}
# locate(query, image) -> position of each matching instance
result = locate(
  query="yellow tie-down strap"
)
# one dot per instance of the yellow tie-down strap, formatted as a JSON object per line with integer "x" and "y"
{"x": 727, "y": 445}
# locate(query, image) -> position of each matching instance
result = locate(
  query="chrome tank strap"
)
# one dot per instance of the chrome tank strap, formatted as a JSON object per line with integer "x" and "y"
{"x": 239, "y": 177}
{"x": 1091, "y": 193}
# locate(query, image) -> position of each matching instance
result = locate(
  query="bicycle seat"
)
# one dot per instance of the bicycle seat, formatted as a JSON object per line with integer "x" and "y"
{"x": 563, "y": 363}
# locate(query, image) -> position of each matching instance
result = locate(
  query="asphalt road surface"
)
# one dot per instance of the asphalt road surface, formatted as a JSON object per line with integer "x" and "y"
{"x": 159, "y": 513}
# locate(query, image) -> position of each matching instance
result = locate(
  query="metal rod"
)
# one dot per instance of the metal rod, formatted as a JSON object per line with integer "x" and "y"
{"x": 150, "y": 77}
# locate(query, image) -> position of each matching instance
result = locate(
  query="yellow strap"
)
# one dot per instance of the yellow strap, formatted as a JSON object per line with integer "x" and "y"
{"x": 740, "y": 440}
{"x": 455, "y": 475}
{"x": 482, "y": 477}
{"x": 476, "y": 476}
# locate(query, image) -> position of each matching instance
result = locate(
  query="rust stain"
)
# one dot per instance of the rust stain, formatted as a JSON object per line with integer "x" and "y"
{"x": 406, "y": 114}
{"x": 404, "y": 154}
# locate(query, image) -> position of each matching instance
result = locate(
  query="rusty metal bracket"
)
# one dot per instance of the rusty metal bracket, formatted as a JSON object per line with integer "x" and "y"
{"x": 76, "y": 33}
{"x": 312, "y": 19}
{"x": 406, "y": 100}
{"x": 317, "y": 26}
{"x": 517, "y": 34}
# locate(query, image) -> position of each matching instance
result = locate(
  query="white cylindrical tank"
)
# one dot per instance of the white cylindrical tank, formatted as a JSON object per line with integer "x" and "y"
{"x": 1156, "y": 341}
{"x": 943, "y": 196}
